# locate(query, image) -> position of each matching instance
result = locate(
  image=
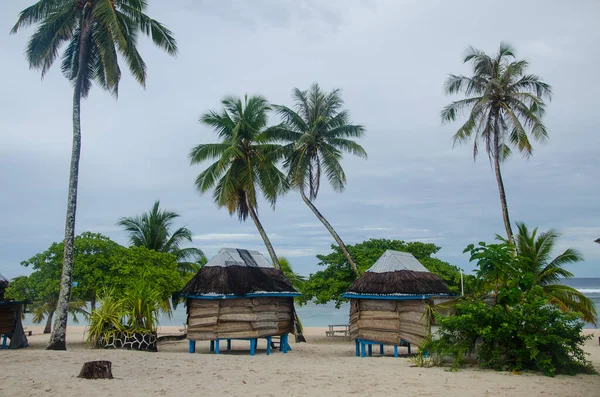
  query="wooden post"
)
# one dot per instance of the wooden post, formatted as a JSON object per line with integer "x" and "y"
{"x": 252, "y": 346}
{"x": 357, "y": 343}
{"x": 269, "y": 338}
{"x": 192, "y": 346}
{"x": 4, "y": 341}
{"x": 96, "y": 370}
{"x": 228, "y": 344}
{"x": 381, "y": 349}
{"x": 396, "y": 351}
{"x": 217, "y": 347}
{"x": 212, "y": 345}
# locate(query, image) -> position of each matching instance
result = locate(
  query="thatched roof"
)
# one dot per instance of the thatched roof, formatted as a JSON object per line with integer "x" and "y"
{"x": 238, "y": 273}
{"x": 397, "y": 275}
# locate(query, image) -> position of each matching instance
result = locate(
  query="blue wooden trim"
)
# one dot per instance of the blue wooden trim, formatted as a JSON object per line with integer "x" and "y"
{"x": 269, "y": 340}
{"x": 228, "y": 344}
{"x": 357, "y": 348}
{"x": 192, "y": 346}
{"x": 396, "y": 351}
{"x": 370, "y": 348}
{"x": 252, "y": 346}
{"x": 212, "y": 346}
{"x": 217, "y": 351}
{"x": 367, "y": 345}
{"x": 2, "y": 303}
{"x": 218, "y": 297}
{"x": 4, "y": 337}
{"x": 381, "y": 349}
{"x": 363, "y": 350}
{"x": 394, "y": 297}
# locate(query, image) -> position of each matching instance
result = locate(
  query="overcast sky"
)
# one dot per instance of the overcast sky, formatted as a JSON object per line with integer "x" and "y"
{"x": 389, "y": 57}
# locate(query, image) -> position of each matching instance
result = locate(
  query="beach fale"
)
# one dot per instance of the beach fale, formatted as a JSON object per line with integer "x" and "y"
{"x": 11, "y": 326}
{"x": 388, "y": 303}
{"x": 238, "y": 294}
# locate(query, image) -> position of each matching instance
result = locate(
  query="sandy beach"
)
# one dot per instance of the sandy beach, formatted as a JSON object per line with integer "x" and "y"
{"x": 322, "y": 367}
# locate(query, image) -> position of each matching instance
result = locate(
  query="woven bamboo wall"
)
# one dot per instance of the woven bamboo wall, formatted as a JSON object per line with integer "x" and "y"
{"x": 388, "y": 321}
{"x": 239, "y": 317}
{"x": 8, "y": 317}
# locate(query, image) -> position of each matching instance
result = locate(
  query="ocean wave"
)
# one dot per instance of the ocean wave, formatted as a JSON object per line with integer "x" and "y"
{"x": 589, "y": 290}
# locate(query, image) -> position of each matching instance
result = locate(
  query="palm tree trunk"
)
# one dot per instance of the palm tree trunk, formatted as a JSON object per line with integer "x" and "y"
{"x": 509, "y": 233}
{"x": 263, "y": 234}
{"x": 59, "y": 331}
{"x": 48, "y": 327}
{"x": 336, "y": 237}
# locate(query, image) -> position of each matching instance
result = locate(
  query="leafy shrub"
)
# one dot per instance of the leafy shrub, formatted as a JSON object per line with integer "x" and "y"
{"x": 526, "y": 335}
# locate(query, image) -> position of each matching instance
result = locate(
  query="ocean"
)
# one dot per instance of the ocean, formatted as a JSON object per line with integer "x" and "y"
{"x": 313, "y": 315}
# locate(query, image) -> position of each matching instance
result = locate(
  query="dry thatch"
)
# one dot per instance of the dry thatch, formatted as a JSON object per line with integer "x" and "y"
{"x": 3, "y": 286}
{"x": 237, "y": 272}
{"x": 402, "y": 282}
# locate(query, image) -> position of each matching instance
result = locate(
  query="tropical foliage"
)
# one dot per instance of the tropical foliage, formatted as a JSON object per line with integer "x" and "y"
{"x": 93, "y": 34}
{"x": 245, "y": 164}
{"x": 518, "y": 316}
{"x": 296, "y": 279}
{"x": 153, "y": 230}
{"x": 317, "y": 132}
{"x": 535, "y": 256}
{"x": 329, "y": 284}
{"x": 505, "y": 106}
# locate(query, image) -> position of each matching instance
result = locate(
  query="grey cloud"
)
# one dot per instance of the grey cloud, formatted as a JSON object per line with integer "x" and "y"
{"x": 389, "y": 57}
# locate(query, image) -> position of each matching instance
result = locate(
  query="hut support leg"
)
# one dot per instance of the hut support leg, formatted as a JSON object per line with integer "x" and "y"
{"x": 4, "y": 341}
{"x": 396, "y": 351}
{"x": 228, "y": 344}
{"x": 212, "y": 345}
{"x": 252, "y": 346}
{"x": 381, "y": 349}
{"x": 192, "y": 347}
{"x": 357, "y": 348}
{"x": 217, "y": 346}
{"x": 268, "y": 345}
{"x": 409, "y": 348}
{"x": 284, "y": 343}
{"x": 363, "y": 350}
{"x": 370, "y": 350}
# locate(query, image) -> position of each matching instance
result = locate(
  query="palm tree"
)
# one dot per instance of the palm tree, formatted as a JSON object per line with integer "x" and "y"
{"x": 505, "y": 109}
{"x": 317, "y": 132}
{"x": 94, "y": 32}
{"x": 535, "y": 249}
{"x": 245, "y": 164}
{"x": 296, "y": 279}
{"x": 152, "y": 230}
{"x": 44, "y": 310}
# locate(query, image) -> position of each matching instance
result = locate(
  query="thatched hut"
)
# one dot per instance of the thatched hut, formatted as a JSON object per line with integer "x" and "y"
{"x": 388, "y": 303}
{"x": 238, "y": 294}
{"x": 10, "y": 320}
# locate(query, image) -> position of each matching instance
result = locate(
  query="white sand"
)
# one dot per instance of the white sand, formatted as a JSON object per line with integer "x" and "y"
{"x": 322, "y": 367}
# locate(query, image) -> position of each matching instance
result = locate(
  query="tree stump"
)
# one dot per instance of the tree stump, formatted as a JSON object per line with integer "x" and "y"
{"x": 96, "y": 370}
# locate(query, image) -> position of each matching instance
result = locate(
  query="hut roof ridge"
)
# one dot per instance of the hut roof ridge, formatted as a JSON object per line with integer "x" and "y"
{"x": 393, "y": 261}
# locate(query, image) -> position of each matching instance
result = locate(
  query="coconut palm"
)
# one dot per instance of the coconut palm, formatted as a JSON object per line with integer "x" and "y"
{"x": 153, "y": 230}
{"x": 317, "y": 131}
{"x": 44, "y": 310}
{"x": 94, "y": 32}
{"x": 535, "y": 251}
{"x": 296, "y": 279}
{"x": 245, "y": 164}
{"x": 505, "y": 108}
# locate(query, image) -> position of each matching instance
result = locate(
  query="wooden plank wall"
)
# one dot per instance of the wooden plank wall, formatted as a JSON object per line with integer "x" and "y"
{"x": 388, "y": 321}
{"x": 8, "y": 316}
{"x": 239, "y": 317}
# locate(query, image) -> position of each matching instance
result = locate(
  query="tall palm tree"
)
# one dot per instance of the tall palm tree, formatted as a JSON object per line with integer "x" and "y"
{"x": 245, "y": 164}
{"x": 505, "y": 108}
{"x": 296, "y": 279}
{"x": 152, "y": 230}
{"x": 535, "y": 250}
{"x": 318, "y": 131}
{"x": 94, "y": 32}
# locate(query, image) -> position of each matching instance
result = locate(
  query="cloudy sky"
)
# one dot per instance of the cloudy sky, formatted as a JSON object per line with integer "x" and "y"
{"x": 389, "y": 57}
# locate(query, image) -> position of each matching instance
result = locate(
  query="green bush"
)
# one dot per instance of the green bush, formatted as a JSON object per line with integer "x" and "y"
{"x": 526, "y": 335}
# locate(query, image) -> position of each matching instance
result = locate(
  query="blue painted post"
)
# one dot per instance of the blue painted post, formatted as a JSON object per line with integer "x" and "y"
{"x": 192, "y": 346}
{"x": 363, "y": 350}
{"x": 381, "y": 349}
{"x": 228, "y": 344}
{"x": 357, "y": 348}
{"x": 284, "y": 343}
{"x": 396, "y": 351}
{"x": 252, "y": 346}
{"x": 425, "y": 353}
{"x": 269, "y": 345}
{"x": 212, "y": 345}
{"x": 409, "y": 348}
{"x": 4, "y": 341}
{"x": 370, "y": 350}
{"x": 217, "y": 347}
